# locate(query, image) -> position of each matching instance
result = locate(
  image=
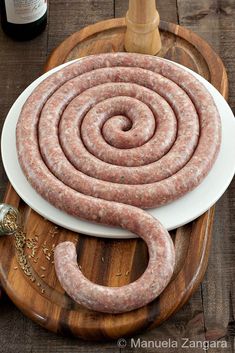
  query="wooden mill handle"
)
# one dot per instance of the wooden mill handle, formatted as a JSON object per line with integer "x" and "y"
{"x": 142, "y": 20}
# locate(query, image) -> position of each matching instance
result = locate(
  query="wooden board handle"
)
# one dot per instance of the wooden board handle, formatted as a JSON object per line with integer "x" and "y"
{"x": 142, "y": 20}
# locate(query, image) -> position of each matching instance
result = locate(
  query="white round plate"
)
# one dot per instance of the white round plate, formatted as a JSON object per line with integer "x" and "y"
{"x": 171, "y": 216}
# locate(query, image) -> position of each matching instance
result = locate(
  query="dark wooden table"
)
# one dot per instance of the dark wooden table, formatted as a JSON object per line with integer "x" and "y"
{"x": 210, "y": 313}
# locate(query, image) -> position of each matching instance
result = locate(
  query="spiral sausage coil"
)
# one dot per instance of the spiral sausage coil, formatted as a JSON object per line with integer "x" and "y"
{"x": 107, "y": 136}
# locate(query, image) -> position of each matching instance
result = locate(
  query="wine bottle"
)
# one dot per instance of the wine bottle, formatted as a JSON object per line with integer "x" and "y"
{"x": 23, "y": 19}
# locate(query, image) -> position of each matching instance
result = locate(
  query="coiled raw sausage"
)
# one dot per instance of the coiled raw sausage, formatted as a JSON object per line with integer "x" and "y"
{"x": 111, "y": 132}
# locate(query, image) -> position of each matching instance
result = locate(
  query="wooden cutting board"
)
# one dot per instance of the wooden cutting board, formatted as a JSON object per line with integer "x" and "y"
{"x": 32, "y": 284}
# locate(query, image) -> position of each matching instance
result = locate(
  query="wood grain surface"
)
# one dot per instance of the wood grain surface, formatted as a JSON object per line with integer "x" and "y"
{"x": 32, "y": 283}
{"x": 210, "y": 312}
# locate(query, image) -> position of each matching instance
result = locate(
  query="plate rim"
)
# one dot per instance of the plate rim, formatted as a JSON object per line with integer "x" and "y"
{"x": 119, "y": 233}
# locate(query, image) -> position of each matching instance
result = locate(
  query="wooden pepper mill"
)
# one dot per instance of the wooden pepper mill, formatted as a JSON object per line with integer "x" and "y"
{"x": 142, "y": 20}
